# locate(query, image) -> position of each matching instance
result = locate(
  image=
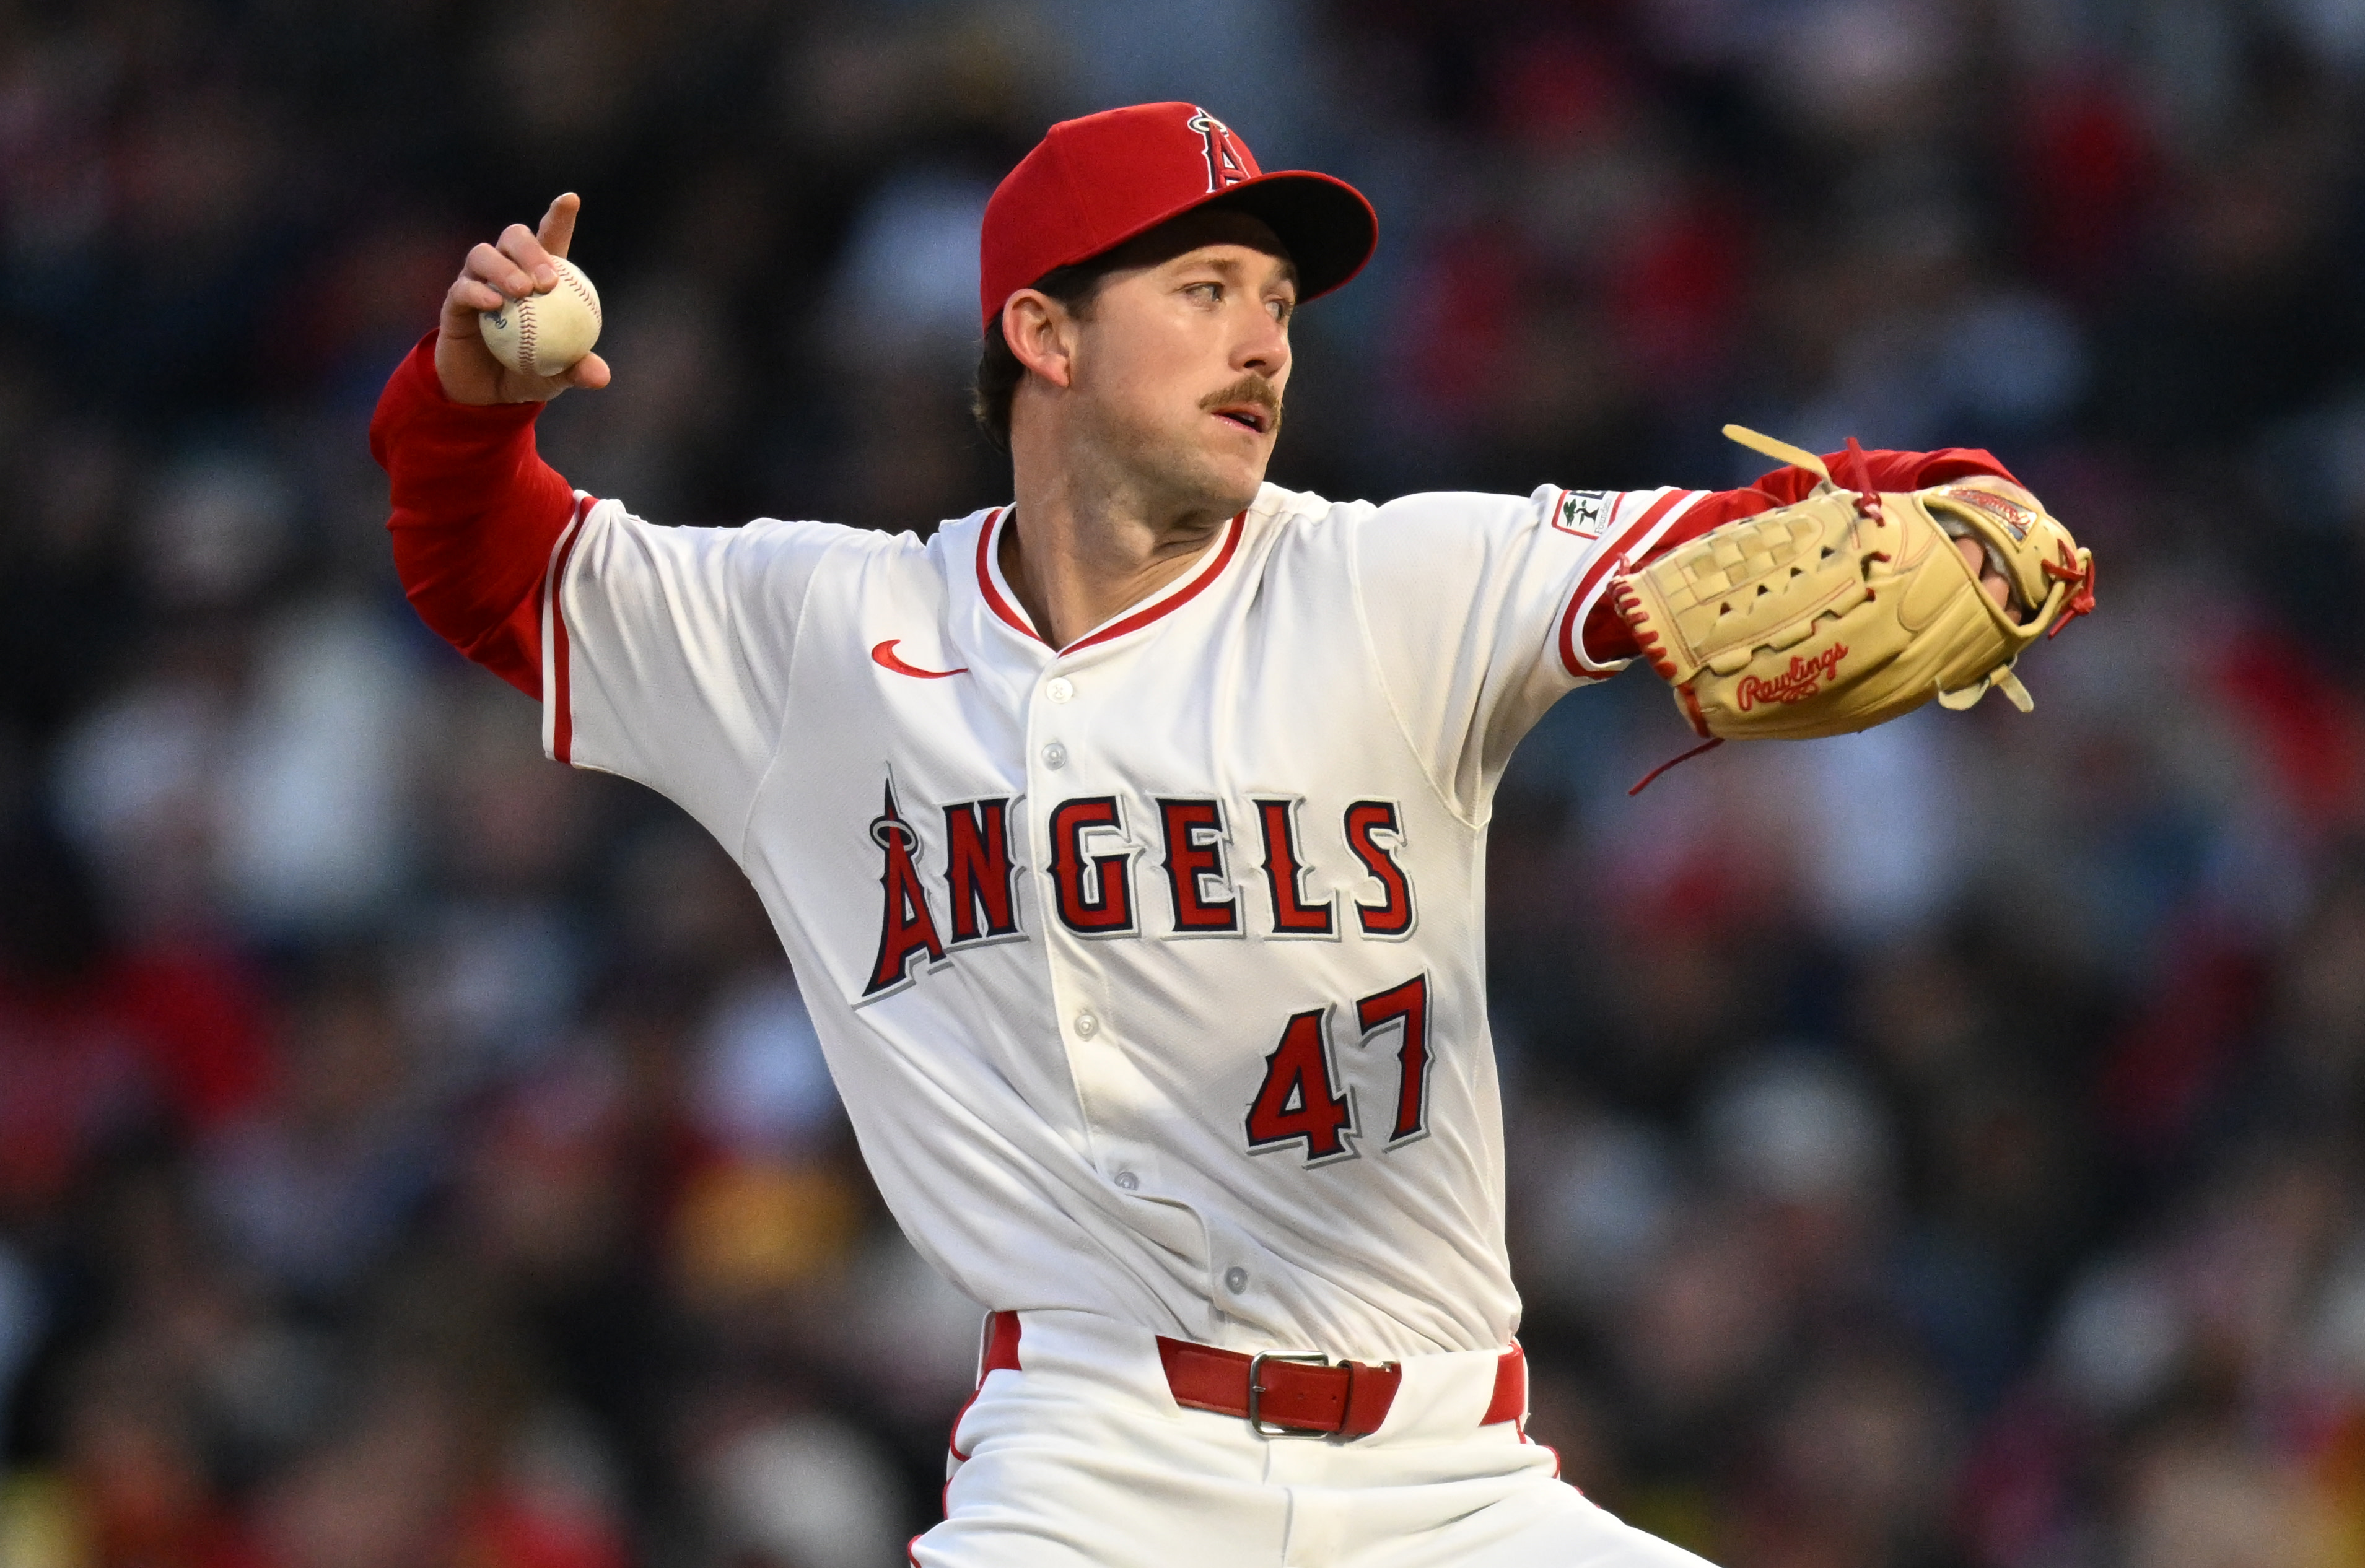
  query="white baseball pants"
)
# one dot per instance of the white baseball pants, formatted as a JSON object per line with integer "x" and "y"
{"x": 1082, "y": 1459}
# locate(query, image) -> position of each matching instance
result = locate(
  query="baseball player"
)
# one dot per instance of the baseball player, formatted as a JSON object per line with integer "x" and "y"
{"x": 1127, "y": 840}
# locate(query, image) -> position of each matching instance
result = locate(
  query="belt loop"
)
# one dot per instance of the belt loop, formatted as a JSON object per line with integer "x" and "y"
{"x": 1371, "y": 1390}
{"x": 999, "y": 1348}
{"x": 1510, "y": 1401}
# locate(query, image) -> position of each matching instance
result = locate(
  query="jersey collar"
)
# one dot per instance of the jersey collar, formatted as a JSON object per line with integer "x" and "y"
{"x": 1005, "y": 603}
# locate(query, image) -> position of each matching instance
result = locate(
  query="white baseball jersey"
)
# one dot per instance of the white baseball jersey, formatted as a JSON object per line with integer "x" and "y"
{"x": 1150, "y": 971}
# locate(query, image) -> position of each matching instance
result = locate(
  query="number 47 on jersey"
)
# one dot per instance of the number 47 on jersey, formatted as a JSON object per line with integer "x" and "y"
{"x": 1299, "y": 1100}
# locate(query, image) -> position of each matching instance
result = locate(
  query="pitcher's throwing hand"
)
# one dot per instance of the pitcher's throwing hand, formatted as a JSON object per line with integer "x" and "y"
{"x": 495, "y": 274}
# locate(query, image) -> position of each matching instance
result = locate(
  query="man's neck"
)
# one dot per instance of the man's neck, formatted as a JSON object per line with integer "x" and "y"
{"x": 1079, "y": 552}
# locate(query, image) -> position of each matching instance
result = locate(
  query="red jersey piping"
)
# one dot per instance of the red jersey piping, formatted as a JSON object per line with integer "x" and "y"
{"x": 985, "y": 578}
{"x": 562, "y": 720}
{"x": 1571, "y": 655}
{"x": 1173, "y": 600}
{"x": 1176, "y": 600}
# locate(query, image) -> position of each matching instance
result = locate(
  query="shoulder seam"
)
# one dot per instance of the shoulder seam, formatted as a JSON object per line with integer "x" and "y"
{"x": 1380, "y": 675}
{"x": 788, "y": 681}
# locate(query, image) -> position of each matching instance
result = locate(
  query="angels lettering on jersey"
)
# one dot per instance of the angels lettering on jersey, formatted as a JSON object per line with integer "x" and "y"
{"x": 1189, "y": 892}
{"x": 1097, "y": 884}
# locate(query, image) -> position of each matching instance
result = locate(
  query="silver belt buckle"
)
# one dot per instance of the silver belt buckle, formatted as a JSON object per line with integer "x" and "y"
{"x": 1257, "y": 1423}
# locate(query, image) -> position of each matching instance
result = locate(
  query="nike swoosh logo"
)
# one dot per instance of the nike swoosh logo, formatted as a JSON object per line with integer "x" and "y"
{"x": 884, "y": 656}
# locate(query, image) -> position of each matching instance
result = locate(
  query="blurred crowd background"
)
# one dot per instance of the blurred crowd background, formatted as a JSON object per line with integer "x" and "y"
{"x": 1937, "y": 1148}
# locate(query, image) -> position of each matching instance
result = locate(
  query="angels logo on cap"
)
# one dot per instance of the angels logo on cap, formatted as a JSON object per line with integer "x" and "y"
{"x": 1092, "y": 183}
{"x": 1228, "y": 161}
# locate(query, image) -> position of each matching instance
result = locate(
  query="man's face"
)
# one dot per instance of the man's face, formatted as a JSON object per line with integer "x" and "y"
{"x": 1181, "y": 360}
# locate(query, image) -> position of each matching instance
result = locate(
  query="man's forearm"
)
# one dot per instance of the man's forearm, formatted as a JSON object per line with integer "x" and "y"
{"x": 476, "y": 514}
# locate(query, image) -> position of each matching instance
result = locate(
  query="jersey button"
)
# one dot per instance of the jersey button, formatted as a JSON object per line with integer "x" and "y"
{"x": 1088, "y": 1025}
{"x": 1060, "y": 688}
{"x": 1128, "y": 1180}
{"x": 1055, "y": 756}
{"x": 1236, "y": 1280}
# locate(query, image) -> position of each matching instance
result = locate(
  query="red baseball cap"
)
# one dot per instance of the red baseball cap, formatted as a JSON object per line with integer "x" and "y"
{"x": 1094, "y": 182}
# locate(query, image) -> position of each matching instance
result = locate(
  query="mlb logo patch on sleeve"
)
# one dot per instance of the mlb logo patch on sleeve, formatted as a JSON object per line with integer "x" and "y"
{"x": 1580, "y": 512}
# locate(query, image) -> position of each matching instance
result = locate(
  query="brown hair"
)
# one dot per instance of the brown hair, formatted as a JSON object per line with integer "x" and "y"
{"x": 999, "y": 371}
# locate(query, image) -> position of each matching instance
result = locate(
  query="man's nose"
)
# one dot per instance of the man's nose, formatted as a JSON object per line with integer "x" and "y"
{"x": 1264, "y": 348}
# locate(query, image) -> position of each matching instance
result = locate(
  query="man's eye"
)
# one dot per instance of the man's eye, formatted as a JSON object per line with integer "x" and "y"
{"x": 1283, "y": 309}
{"x": 1207, "y": 293}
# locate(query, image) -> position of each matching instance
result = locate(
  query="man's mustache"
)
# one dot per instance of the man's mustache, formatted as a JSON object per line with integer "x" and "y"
{"x": 1250, "y": 388}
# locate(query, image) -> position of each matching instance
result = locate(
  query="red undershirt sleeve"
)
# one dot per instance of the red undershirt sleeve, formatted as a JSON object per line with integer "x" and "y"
{"x": 1607, "y": 639}
{"x": 476, "y": 514}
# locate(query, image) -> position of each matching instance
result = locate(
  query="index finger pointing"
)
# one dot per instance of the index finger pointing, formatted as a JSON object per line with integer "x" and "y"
{"x": 557, "y": 228}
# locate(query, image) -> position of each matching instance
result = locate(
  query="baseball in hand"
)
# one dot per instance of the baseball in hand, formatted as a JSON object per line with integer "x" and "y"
{"x": 544, "y": 334}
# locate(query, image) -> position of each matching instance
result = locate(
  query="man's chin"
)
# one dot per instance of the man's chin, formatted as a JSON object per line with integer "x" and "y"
{"x": 1218, "y": 490}
{"x": 1231, "y": 487}
{"x": 1190, "y": 479}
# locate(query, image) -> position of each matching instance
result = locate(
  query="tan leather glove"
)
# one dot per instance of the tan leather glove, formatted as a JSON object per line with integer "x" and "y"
{"x": 1849, "y": 608}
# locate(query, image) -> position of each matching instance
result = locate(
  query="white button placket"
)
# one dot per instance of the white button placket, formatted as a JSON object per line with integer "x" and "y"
{"x": 1075, "y": 1000}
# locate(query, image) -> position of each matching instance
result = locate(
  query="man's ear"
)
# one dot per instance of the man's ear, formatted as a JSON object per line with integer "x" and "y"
{"x": 1041, "y": 335}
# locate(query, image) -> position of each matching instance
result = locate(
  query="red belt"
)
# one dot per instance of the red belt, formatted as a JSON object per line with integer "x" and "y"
{"x": 1285, "y": 1395}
